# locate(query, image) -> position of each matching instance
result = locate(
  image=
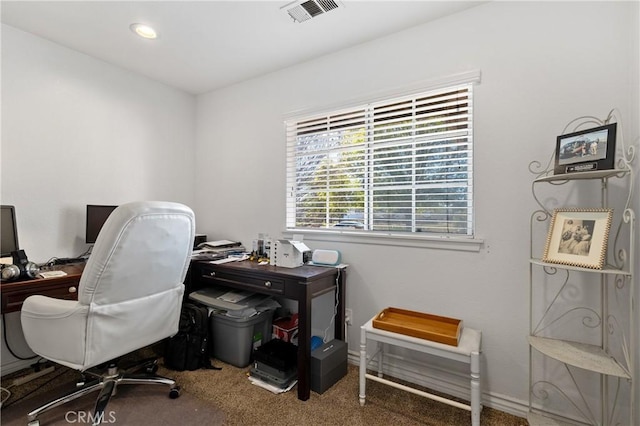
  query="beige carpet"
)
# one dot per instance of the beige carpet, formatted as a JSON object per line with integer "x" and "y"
{"x": 227, "y": 397}
{"x": 247, "y": 404}
{"x": 133, "y": 405}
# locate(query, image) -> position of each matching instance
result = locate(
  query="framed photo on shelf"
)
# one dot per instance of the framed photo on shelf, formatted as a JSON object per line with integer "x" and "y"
{"x": 578, "y": 237}
{"x": 586, "y": 150}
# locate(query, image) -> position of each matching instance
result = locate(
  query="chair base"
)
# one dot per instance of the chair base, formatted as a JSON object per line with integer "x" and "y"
{"x": 107, "y": 385}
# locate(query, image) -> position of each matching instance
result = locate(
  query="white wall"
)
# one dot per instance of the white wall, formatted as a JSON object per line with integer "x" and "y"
{"x": 543, "y": 64}
{"x": 540, "y": 69}
{"x": 78, "y": 131}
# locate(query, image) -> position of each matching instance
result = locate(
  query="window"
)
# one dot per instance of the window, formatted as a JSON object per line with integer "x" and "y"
{"x": 397, "y": 166}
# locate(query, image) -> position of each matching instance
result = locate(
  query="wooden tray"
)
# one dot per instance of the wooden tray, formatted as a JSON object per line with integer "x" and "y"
{"x": 417, "y": 324}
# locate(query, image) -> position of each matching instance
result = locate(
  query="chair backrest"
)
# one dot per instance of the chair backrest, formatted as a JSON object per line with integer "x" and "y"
{"x": 143, "y": 248}
{"x": 132, "y": 285}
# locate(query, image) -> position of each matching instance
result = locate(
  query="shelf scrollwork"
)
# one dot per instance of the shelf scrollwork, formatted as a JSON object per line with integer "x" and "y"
{"x": 620, "y": 254}
{"x": 541, "y": 390}
{"x": 590, "y": 319}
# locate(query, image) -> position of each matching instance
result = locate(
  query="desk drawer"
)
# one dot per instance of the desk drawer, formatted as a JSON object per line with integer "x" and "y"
{"x": 12, "y": 299}
{"x": 260, "y": 285}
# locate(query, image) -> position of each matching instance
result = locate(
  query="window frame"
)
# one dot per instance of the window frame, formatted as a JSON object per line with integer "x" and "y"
{"x": 406, "y": 239}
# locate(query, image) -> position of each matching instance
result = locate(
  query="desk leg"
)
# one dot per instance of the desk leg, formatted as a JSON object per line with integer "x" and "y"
{"x": 340, "y": 318}
{"x": 304, "y": 346}
{"x": 380, "y": 351}
{"x": 475, "y": 389}
{"x": 363, "y": 364}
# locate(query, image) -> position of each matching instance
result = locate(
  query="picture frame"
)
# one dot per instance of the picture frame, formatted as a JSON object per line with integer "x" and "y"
{"x": 586, "y": 150}
{"x": 578, "y": 237}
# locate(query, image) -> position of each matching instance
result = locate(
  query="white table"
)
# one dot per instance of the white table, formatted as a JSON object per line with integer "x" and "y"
{"x": 468, "y": 351}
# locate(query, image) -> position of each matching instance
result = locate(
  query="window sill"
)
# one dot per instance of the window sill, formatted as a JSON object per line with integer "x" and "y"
{"x": 418, "y": 241}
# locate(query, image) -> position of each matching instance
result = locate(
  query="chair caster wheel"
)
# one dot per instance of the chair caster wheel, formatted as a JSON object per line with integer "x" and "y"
{"x": 174, "y": 392}
{"x": 82, "y": 380}
{"x": 152, "y": 369}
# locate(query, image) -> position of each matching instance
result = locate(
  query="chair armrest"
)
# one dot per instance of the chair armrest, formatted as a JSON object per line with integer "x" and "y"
{"x": 56, "y": 329}
{"x": 47, "y": 307}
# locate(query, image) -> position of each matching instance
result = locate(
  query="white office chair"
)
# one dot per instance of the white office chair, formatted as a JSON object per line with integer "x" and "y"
{"x": 129, "y": 297}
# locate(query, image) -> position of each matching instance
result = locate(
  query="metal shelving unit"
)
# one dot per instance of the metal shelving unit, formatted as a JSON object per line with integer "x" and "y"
{"x": 581, "y": 336}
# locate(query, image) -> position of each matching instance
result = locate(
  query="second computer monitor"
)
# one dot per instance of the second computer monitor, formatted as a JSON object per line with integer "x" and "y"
{"x": 96, "y": 217}
{"x": 8, "y": 231}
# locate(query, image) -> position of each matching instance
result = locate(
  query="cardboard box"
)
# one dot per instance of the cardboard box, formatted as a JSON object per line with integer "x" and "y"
{"x": 288, "y": 253}
{"x": 286, "y": 329}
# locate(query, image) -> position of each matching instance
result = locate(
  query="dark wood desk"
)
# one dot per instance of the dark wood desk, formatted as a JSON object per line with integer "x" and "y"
{"x": 13, "y": 293}
{"x": 301, "y": 284}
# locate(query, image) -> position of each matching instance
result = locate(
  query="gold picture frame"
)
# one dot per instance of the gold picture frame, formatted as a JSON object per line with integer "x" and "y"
{"x": 578, "y": 237}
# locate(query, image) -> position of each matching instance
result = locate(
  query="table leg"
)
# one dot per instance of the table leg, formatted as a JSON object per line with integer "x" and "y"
{"x": 475, "y": 389}
{"x": 304, "y": 346}
{"x": 380, "y": 352}
{"x": 363, "y": 364}
{"x": 340, "y": 318}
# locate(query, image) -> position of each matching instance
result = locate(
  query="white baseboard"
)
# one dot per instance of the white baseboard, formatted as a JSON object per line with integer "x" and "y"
{"x": 438, "y": 379}
{"x": 17, "y": 365}
{"x": 14, "y": 342}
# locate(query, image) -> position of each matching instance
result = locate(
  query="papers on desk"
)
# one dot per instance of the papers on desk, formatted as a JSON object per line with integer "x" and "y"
{"x": 231, "y": 258}
{"x": 217, "y": 250}
{"x": 218, "y": 244}
{"x": 199, "y": 252}
{"x": 51, "y": 274}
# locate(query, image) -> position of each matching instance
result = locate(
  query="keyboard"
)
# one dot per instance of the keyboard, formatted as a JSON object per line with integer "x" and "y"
{"x": 67, "y": 260}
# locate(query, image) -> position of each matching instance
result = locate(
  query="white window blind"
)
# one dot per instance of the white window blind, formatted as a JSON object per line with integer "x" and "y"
{"x": 402, "y": 165}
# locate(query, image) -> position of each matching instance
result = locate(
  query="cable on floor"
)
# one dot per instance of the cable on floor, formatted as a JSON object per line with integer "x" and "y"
{"x": 4, "y": 398}
{"x": 62, "y": 371}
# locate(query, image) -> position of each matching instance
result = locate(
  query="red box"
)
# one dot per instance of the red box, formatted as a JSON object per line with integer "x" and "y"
{"x": 286, "y": 329}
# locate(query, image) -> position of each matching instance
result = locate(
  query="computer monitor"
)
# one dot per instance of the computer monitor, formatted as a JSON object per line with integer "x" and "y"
{"x": 96, "y": 217}
{"x": 8, "y": 231}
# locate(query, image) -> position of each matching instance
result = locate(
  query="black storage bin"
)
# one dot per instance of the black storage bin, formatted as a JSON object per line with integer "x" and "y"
{"x": 278, "y": 354}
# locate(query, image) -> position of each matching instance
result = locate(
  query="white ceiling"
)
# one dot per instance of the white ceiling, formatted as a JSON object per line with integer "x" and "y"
{"x": 205, "y": 45}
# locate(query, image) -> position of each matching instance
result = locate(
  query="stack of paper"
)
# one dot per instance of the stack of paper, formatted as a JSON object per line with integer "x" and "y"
{"x": 269, "y": 387}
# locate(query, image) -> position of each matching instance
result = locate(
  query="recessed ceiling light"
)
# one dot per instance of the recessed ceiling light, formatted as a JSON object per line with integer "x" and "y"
{"x": 143, "y": 31}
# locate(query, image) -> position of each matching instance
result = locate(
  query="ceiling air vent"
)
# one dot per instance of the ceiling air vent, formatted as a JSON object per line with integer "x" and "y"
{"x": 304, "y": 10}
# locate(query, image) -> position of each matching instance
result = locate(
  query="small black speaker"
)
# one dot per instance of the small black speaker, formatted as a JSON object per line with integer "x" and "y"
{"x": 199, "y": 239}
{"x": 19, "y": 257}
